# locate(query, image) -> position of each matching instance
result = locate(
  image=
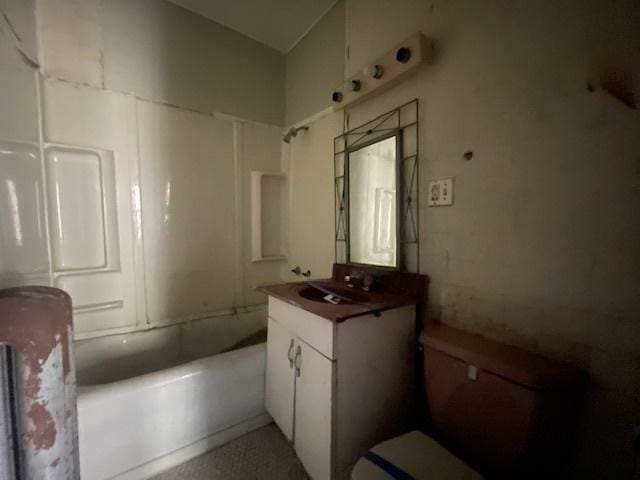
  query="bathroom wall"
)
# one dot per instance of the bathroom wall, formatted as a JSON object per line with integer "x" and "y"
{"x": 70, "y": 40}
{"x": 161, "y": 52}
{"x": 19, "y": 23}
{"x": 138, "y": 208}
{"x": 308, "y": 161}
{"x": 315, "y": 66}
{"x": 540, "y": 246}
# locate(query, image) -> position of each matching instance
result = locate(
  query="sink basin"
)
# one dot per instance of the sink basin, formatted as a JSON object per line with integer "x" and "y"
{"x": 349, "y": 296}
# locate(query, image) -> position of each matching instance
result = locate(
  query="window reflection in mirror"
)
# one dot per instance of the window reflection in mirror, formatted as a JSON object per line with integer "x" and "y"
{"x": 372, "y": 204}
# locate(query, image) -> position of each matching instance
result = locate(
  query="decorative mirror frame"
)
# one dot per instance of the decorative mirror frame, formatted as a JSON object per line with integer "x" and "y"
{"x": 402, "y": 122}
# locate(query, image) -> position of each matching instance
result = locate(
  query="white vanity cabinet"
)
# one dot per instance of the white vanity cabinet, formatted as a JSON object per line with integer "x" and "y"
{"x": 337, "y": 389}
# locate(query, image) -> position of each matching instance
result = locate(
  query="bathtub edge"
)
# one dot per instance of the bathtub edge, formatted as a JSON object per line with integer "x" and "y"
{"x": 200, "y": 447}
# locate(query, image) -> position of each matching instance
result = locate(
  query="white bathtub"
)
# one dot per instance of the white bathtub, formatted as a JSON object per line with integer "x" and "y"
{"x": 132, "y": 428}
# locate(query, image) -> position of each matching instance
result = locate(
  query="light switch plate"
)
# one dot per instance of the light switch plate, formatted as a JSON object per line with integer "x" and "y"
{"x": 440, "y": 192}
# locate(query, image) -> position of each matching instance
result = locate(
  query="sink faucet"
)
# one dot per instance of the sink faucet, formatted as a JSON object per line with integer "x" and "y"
{"x": 360, "y": 281}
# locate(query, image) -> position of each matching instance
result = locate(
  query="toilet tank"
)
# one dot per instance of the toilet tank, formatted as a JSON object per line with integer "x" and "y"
{"x": 504, "y": 409}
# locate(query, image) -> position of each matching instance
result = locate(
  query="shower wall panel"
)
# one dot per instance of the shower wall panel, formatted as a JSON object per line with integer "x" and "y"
{"x": 138, "y": 210}
{"x": 91, "y": 171}
{"x": 188, "y": 203}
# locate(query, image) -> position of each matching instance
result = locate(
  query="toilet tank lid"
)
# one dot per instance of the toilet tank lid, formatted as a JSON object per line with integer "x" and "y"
{"x": 515, "y": 364}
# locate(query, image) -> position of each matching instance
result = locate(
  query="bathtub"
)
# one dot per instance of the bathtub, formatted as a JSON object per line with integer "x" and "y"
{"x": 148, "y": 401}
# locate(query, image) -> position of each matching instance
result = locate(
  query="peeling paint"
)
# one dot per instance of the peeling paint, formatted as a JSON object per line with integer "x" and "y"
{"x": 43, "y": 431}
{"x": 36, "y": 322}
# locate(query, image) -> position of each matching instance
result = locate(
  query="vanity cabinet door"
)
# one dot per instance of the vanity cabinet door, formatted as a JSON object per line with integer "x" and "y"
{"x": 280, "y": 378}
{"x": 313, "y": 418}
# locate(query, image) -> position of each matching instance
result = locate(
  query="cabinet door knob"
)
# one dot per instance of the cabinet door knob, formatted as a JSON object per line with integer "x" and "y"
{"x": 290, "y": 354}
{"x": 298, "y": 360}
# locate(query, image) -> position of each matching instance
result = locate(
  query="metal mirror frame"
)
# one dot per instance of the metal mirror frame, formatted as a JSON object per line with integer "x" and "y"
{"x": 403, "y": 122}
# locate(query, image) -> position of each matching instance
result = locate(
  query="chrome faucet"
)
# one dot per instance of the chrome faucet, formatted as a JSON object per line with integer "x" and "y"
{"x": 298, "y": 271}
{"x": 358, "y": 280}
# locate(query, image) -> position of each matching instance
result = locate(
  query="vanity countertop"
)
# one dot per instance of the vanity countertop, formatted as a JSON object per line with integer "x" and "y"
{"x": 377, "y": 301}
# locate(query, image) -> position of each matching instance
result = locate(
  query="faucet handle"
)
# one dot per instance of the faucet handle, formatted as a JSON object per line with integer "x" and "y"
{"x": 368, "y": 282}
{"x": 307, "y": 273}
{"x": 296, "y": 270}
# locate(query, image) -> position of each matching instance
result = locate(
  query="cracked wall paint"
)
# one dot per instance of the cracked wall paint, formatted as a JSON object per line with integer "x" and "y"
{"x": 17, "y": 26}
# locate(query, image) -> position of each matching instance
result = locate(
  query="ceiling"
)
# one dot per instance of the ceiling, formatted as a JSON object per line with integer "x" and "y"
{"x": 277, "y": 23}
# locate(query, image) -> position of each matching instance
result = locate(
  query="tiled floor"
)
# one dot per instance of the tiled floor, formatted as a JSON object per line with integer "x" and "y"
{"x": 262, "y": 454}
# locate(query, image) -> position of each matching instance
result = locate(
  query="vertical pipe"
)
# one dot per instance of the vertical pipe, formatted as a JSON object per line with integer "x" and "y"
{"x": 9, "y": 442}
{"x": 238, "y": 175}
{"x": 37, "y": 323}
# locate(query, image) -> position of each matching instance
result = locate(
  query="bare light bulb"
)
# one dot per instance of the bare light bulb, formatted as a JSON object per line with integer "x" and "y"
{"x": 373, "y": 71}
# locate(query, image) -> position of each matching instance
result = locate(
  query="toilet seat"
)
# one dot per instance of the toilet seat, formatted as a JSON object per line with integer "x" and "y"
{"x": 413, "y": 455}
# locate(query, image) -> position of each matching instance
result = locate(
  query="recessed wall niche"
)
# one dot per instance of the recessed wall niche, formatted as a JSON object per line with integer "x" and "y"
{"x": 267, "y": 218}
{"x": 82, "y": 208}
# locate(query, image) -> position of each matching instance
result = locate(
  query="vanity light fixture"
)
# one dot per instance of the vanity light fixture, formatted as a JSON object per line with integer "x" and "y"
{"x": 385, "y": 71}
{"x": 373, "y": 71}
{"x": 403, "y": 55}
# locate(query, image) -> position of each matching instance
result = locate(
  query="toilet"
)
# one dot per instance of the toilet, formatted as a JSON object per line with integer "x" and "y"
{"x": 494, "y": 411}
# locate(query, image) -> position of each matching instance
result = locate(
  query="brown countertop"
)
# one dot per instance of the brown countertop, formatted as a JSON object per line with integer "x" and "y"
{"x": 377, "y": 301}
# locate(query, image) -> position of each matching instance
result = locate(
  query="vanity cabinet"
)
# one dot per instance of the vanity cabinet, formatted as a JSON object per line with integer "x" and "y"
{"x": 336, "y": 389}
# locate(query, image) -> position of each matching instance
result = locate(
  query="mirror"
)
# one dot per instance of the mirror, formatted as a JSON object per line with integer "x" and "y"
{"x": 373, "y": 211}
{"x": 376, "y": 191}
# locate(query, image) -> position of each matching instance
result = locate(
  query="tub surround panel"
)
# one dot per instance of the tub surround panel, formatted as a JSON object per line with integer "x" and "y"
{"x": 23, "y": 239}
{"x": 165, "y": 222}
{"x": 18, "y": 93}
{"x": 23, "y": 235}
{"x": 91, "y": 177}
{"x": 99, "y": 299}
{"x": 186, "y": 163}
{"x": 82, "y": 207}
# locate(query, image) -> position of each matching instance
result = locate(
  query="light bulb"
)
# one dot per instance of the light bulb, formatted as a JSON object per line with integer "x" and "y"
{"x": 373, "y": 71}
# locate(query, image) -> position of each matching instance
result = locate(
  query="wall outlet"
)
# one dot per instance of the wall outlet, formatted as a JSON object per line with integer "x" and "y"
{"x": 440, "y": 192}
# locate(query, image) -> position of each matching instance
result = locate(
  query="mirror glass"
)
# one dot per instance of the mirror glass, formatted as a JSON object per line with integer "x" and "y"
{"x": 372, "y": 204}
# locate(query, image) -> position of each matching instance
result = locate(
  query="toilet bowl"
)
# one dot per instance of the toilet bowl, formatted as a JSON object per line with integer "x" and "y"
{"x": 413, "y": 455}
{"x": 507, "y": 411}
